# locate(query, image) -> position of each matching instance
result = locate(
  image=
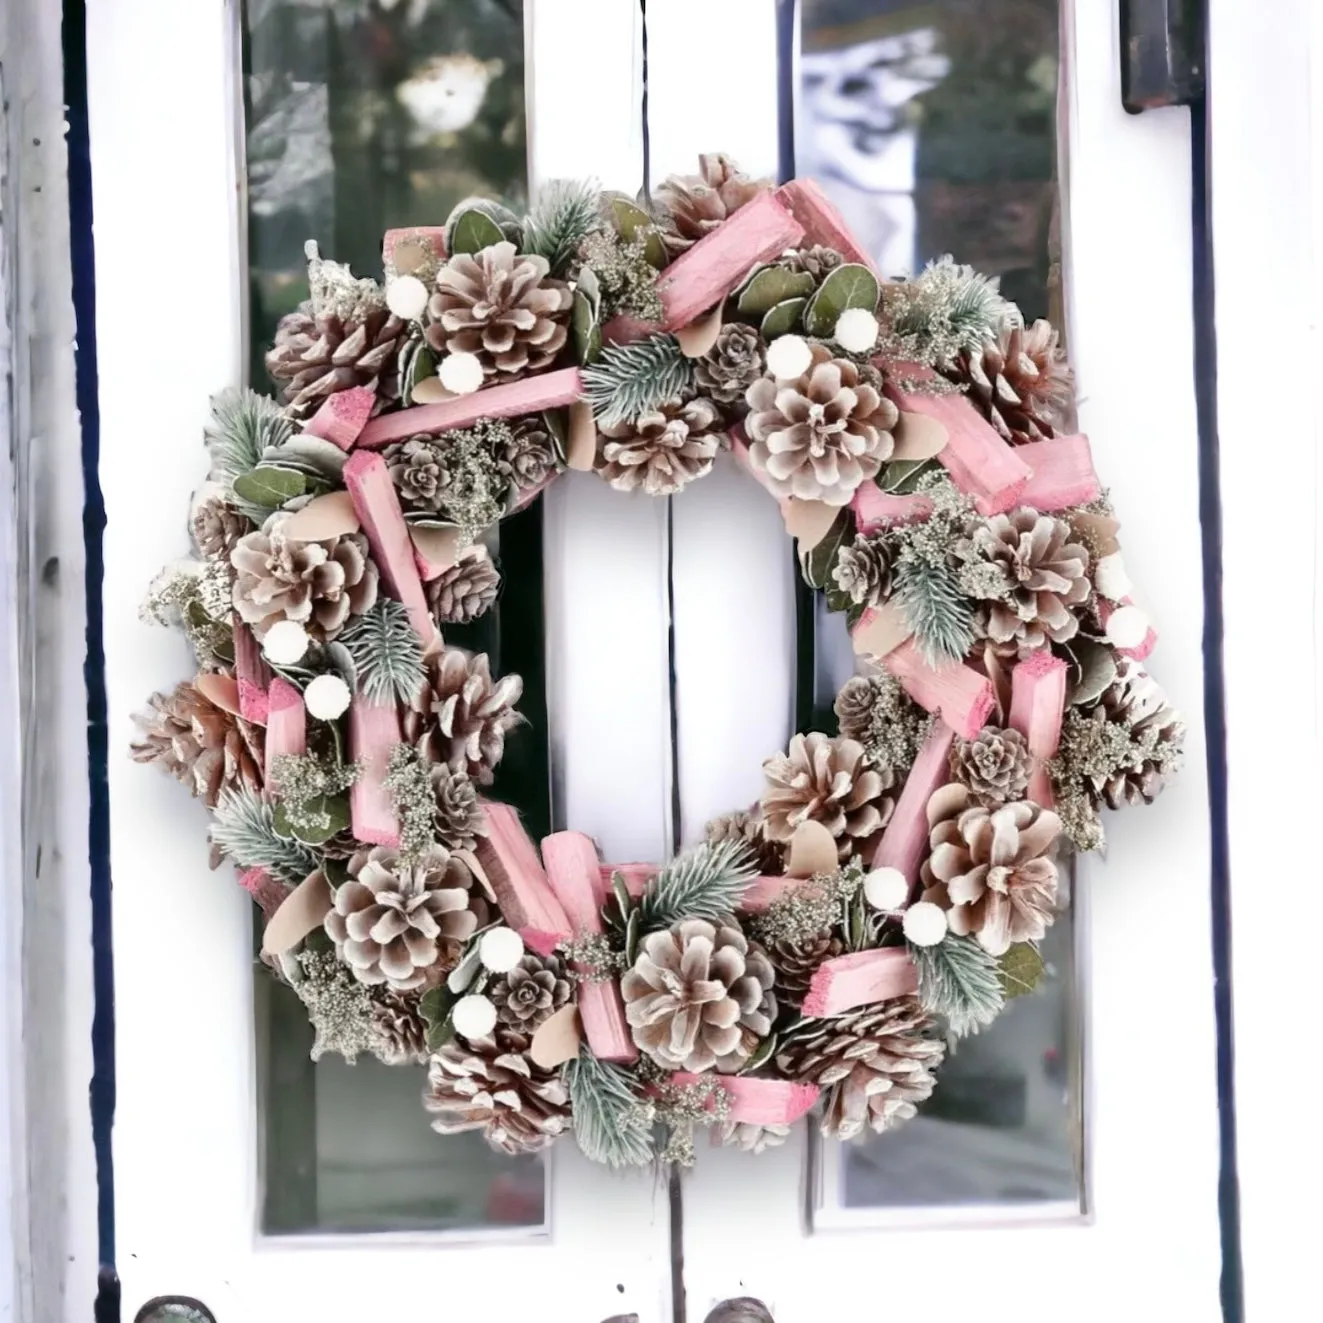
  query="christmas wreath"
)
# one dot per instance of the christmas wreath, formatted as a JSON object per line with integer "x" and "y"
{"x": 887, "y": 893}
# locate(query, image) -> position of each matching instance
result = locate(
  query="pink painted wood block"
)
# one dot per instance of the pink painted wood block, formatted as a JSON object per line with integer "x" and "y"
{"x": 252, "y": 673}
{"x": 758, "y": 1101}
{"x": 637, "y": 877}
{"x": 860, "y": 979}
{"x": 622, "y": 330}
{"x": 1063, "y": 473}
{"x": 264, "y": 889}
{"x": 1038, "y": 702}
{"x": 822, "y": 223}
{"x": 904, "y": 843}
{"x": 762, "y": 892}
{"x": 523, "y": 892}
{"x": 343, "y": 416}
{"x": 431, "y": 238}
{"x": 957, "y": 693}
{"x": 286, "y": 725}
{"x": 572, "y": 867}
{"x": 1142, "y": 650}
{"x": 716, "y": 264}
{"x": 547, "y": 390}
{"x": 378, "y": 510}
{"x": 374, "y": 731}
{"x": 876, "y": 510}
{"x": 980, "y": 463}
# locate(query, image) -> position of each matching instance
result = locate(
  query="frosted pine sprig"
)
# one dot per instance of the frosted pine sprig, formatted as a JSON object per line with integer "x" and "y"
{"x": 958, "y": 982}
{"x": 628, "y": 380}
{"x": 945, "y": 310}
{"x": 387, "y": 653}
{"x": 706, "y": 882}
{"x": 939, "y": 614}
{"x": 564, "y": 213}
{"x": 243, "y": 425}
{"x": 243, "y": 828}
{"x": 612, "y": 1123}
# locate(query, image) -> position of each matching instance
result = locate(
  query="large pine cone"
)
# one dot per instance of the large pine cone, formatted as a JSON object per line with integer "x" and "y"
{"x": 693, "y": 205}
{"x": 732, "y": 365}
{"x": 457, "y": 819}
{"x": 751, "y": 830}
{"x": 479, "y": 1085}
{"x": 994, "y": 766}
{"x": 1021, "y": 384}
{"x": 462, "y": 715}
{"x": 1042, "y": 575}
{"x": 991, "y": 869}
{"x": 501, "y": 306}
{"x": 821, "y": 435}
{"x": 699, "y": 997}
{"x": 829, "y": 781}
{"x": 317, "y": 355}
{"x": 467, "y": 589}
{"x": 662, "y": 450}
{"x": 863, "y": 571}
{"x": 533, "y": 991}
{"x": 873, "y": 1066}
{"x": 797, "y": 962}
{"x": 399, "y": 1033}
{"x": 1135, "y": 700}
{"x": 318, "y": 584}
{"x": 208, "y": 749}
{"x": 397, "y": 922}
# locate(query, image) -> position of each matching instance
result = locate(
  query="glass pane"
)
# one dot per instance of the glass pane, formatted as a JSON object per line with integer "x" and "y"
{"x": 362, "y": 118}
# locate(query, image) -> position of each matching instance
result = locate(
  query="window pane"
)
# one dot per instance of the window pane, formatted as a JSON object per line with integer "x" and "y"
{"x": 361, "y": 118}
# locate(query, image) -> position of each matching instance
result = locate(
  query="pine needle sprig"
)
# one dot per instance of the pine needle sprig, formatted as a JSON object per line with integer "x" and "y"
{"x": 243, "y": 425}
{"x": 387, "y": 653}
{"x": 703, "y": 883}
{"x": 936, "y": 609}
{"x": 958, "y": 981}
{"x": 243, "y": 828}
{"x": 564, "y": 213}
{"x": 612, "y": 1123}
{"x": 945, "y": 310}
{"x": 628, "y": 380}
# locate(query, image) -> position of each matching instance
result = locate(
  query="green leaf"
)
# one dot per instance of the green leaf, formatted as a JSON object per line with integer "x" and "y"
{"x": 1094, "y": 670}
{"x": 849, "y": 286}
{"x": 901, "y": 476}
{"x": 837, "y": 598}
{"x": 632, "y": 933}
{"x": 782, "y": 318}
{"x": 269, "y": 487}
{"x": 770, "y": 285}
{"x": 313, "y": 456}
{"x": 557, "y": 423}
{"x": 1020, "y": 969}
{"x": 437, "y": 1008}
{"x": 587, "y": 330}
{"x": 416, "y": 365}
{"x": 631, "y": 222}
{"x": 817, "y": 564}
{"x": 762, "y": 1054}
{"x": 336, "y": 809}
{"x": 472, "y": 230}
{"x": 624, "y": 901}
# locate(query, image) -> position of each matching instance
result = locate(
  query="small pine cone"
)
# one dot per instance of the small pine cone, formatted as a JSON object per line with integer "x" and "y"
{"x": 854, "y": 708}
{"x": 419, "y": 471}
{"x": 315, "y": 356}
{"x": 533, "y": 991}
{"x": 797, "y": 962}
{"x": 873, "y": 1065}
{"x": 527, "y": 458}
{"x": 462, "y": 715}
{"x": 863, "y": 571}
{"x": 458, "y": 819}
{"x": 483, "y": 1085}
{"x": 732, "y": 365}
{"x": 829, "y": 781}
{"x": 662, "y": 450}
{"x": 693, "y": 205}
{"x": 749, "y": 1137}
{"x": 816, "y": 260}
{"x": 994, "y": 766}
{"x": 467, "y": 589}
{"x": 217, "y": 527}
{"x": 1135, "y": 700}
{"x": 1021, "y": 384}
{"x": 398, "y": 1029}
{"x": 751, "y": 829}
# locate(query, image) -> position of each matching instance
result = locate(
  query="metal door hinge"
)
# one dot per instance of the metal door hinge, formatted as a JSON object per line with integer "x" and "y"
{"x": 1162, "y": 53}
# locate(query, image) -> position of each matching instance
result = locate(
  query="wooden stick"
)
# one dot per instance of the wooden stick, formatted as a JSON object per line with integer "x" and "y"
{"x": 343, "y": 416}
{"x": 1063, "y": 473}
{"x": 286, "y": 725}
{"x": 264, "y": 889}
{"x": 251, "y": 672}
{"x": 904, "y": 842}
{"x": 529, "y": 905}
{"x": 759, "y": 1101}
{"x": 763, "y": 892}
{"x": 1038, "y": 702}
{"x": 860, "y": 979}
{"x": 623, "y": 330}
{"x": 822, "y": 223}
{"x": 876, "y": 510}
{"x": 637, "y": 877}
{"x": 374, "y": 731}
{"x": 957, "y": 693}
{"x": 880, "y": 631}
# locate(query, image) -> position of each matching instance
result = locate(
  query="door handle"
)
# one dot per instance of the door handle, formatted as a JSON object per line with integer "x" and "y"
{"x": 174, "y": 1309}
{"x": 1162, "y": 53}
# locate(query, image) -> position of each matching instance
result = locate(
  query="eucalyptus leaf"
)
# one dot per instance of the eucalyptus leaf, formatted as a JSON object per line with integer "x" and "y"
{"x": 587, "y": 330}
{"x": 762, "y": 1054}
{"x": 770, "y": 285}
{"x": 587, "y": 284}
{"x": 848, "y": 286}
{"x": 437, "y": 1007}
{"x": 557, "y": 423}
{"x": 782, "y": 318}
{"x": 1020, "y": 969}
{"x": 837, "y": 598}
{"x": 901, "y": 476}
{"x": 471, "y": 231}
{"x": 1095, "y": 669}
{"x": 269, "y": 488}
{"x": 335, "y": 808}
{"x": 313, "y": 455}
{"x": 817, "y": 564}
{"x": 631, "y": 221}
{"x": 416, "y": 366}
{"x": 459, "y": 978}
{"x": 632, "y": 936}
{"x": 624, "y": 901}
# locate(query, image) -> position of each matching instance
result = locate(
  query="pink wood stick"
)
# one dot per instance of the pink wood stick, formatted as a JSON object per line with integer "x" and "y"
{"x": 287, "y": 724}
{"x": 763, "y": 892}
{"x": 374, "y": 731}
{"x": 957, "y": 693}
{"x": 876, "y": 510}
{"x": 527, "y": 901}
{"x": 343, "y": 416}
{"x": 822, "y": 223}
{"x": 1038, "y": 701}
{"x": 264, "y": 889}
{"x": 252, "y": 673}
{"x": 759, "y": 1101}
{"x": 637, "y": 877}
{"x": 904, "y": 843}
{"x": 1062, "y": 473}
{"x": 860, "y": 980}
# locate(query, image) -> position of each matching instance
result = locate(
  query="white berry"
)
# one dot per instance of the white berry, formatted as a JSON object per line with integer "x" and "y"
{"x": 501, "y": 950}
{"x": 285, "y": 642}
{"x": 327, "y": 697}
{"x": 856, "y": 330}
{"x": 474, "y": 1016}
{"x": 1110, "y": 577}
{"x": 886, "y": 888}
{"x": 406, "y": 297}
{"x": 925, "y": 923}
{"x": 788, "y": 356}
{"x": 1127, "y": 627}
{"x": 460, "y": 373}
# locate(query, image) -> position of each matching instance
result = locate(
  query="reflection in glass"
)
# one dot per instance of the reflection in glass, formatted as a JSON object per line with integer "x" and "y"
{"x": 365, "y": 115}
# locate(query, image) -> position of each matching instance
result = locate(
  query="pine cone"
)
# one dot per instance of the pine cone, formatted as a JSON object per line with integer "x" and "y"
{"x": 1135, "y": 700}
{"x": 749, "y": 1137}
{"x": 527, "y": 458}
{"x": 533, "y": 991}
{"x": 829, "y": 781}
{"x": 662, "y": 450}
{"x": 318, "y": 584}
{"x": 462, "y": 715}
{"x": 797, "y": 962}
{"x": 501, "y": 306}
{"x": 749, "y": 828}
{"x": 208, "y": 749}
{"x": 854, "y": 707}
{"x": 479, "y": 1085}
{"x": 399, "y": 1031}
{"x": 732, "y": 365}
{"x": 316, "y": 355}
{"x": 399, "y": 923}
{"x": 695, "y": 204}
{"x": 1042, "y": 574}
{"x": 419, "y": 471}
{"x": 217, "y": 527}
{"x": 816, "y": 260}
{"x": 699, "y": 997}
{"x": 863, "y": 571}
{"x": 1022, "y": 384}
{"x": 821, "y": 435}
{"x": 994, "y": 766}
{"x": 467, "y": 589}
{"x": 873, "y": 1065}
{"x": 458, "y": 819}
{"x": 991, "y": 869}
